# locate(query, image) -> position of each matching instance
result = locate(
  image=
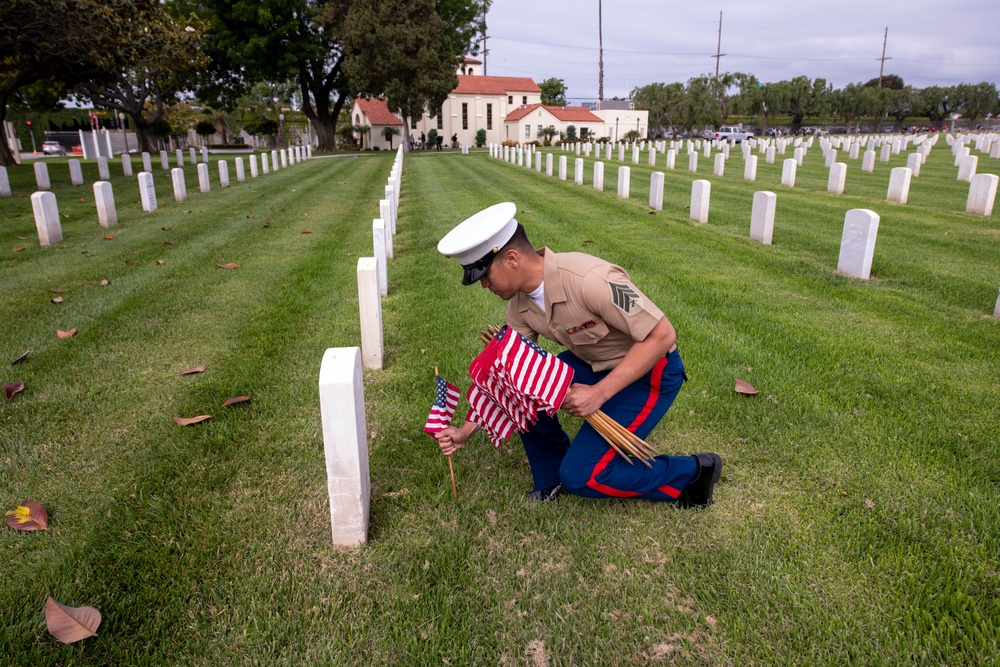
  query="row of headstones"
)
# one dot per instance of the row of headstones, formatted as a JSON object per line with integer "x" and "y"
{"x": 341, "y": 384}
{"x": 46, "y": 209}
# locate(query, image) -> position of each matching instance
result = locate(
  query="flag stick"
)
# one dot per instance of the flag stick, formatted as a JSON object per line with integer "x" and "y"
{"x": 451, "y": 468}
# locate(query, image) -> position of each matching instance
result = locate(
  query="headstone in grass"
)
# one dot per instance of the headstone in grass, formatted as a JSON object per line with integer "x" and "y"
{"x": 672, "y": 158}
{"x": 896, "y": 145}
{"x": 769, "y": 155}
{"x": 253, "y": 166}
{"x": 385, "y": 213}
{"x": 203, "y": 182}
{"x": 982, "y": 194}
{"x": 284, "y": 158}
{"x": 868, "y": 162}
{"x": 562, "y": 167}
{"x": 126, "y": 165}
{"x": 103, "y": 173}
{"x": 621, "y": 152}
{"x": 837, "y": 178}
{"x": 390, "y": 195}
{"x": 788, "y": 169}
{"x": 164, "y": 161}
{"x": 223, "y": 174}
{"x": 899, "y": 185}
{"x": 599, "y": 176}
{"x": 913, "y": 162}
{"x": 578, "y": 171}
{"x": 42, "y": 176}
{"x": 43, "y": 205}
{"x": 204, "y": 154}
{"x": 180, "y": 189}
{"x": 701, "y": 192}
{"x": 4, "y": 183}
{"x": 265, "y": 163}
{"x": 379, "y": 243}
{"x": 241, "y": 174}
{"x": 192, "y": 155}
{"x": 831, "y": 157}
{"x": 798, "y": 154}
{"x": 623, "y": 182}
{"x": 762, "y": 216}
{"x": 607, "y": 151}
{"x": 75, "y": 172}
{"x": 274, "y": 160}
{"x": 719, "y": 168}
{"x": 996, "y": 310}
{"x": 967, "y": 168}
{"x": 750, "y": 168}
{"x": 538, "y": 162}
{"x": 857, "y": 244}
{"x": 107, "y": 215}
{"x": 147, "y": 163}
{"x": 147, "y": 192}
{"x": 656, "y": 191}
{"x": 345, "y": 443}
{"x": 548, "y": 164}
{"x": 652, "y": 157}
{"x": 693, "y": 161}
{"x": 635, "y": 155}
{"x": 179, "y": 157}
{"x": 370, "y": 309}
{"x": 855, "y": 151}
{"x": 995, "y": 150}
{"x": 961, "y": 152}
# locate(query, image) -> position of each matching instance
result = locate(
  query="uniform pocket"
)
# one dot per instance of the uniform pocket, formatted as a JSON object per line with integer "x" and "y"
{"x": 590, "y": 335}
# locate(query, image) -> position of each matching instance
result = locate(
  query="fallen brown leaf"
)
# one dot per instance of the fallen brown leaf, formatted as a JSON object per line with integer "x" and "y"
{"x": 58, "y": 299}
{"x": 129, "y": 262}
{"x": 268, "y": 223}
{"x": 183, "y": 211}
{"x": 159, "y": 261}
{"x": 196, "y": 369}
{"x": 307, "y": 231}
{"x": 109, "y": 237}
{"x": 230, "y": 265}
{"x": 17, "y": 250}
{"x": 168, "y": 243}
{"x": 744, "y": 387}
{"x": 527, "y": 210}
{"x": 21, "y": 358}
{"x": 652, "y": 212}
{"x": 234, "y": 400}
{"x": 251, "y": 215}
{"x": 105, "y": 281}
{"x": 70, "y": 624}
{"x": 29, "y": 516}
{"x": 12, "y": 388}
{"x": 305, "y": 215}
{"x": 188, "y": 421}
{"x": 166, "y": 229}
{"x": 66, "y": 334}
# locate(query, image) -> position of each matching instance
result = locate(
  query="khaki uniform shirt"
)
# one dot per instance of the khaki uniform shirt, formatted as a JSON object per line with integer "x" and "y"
{"x": 591, "y": 307}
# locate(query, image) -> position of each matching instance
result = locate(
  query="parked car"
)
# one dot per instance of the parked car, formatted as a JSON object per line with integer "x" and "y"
{"x": 733, "y": 133}
{"x": 52, "y": 148}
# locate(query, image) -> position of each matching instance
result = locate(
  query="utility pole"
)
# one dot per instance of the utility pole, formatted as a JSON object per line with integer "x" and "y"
{"x": 718, "y": 48}
{"x": 485, "y": 50}
{"x": 600, "y": 62}
{"x": 885, "y": 37}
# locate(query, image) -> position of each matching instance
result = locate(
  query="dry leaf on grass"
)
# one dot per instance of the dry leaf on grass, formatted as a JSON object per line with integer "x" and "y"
{"x": 744, "y": 387}
{"x": 57, "y": 299}
{"x": 527, "y": 210}
{"x": 109, "y": 237}
{"x": 251, "y": 216}
{"x": 28, "y": 516}
{"x": 71, "y": 624}
{"x": 168, "y": 243}
{"x": 188, "y": 421}
{"x": 105, "y": 281}
{"x": 307, "y": 231}
{"x": 230, "y": 265}
{"x": 66, "y": 334}
{"x": 17, "y": 250}
{"x": 129, "y": 262}
{"x": 21, "y": 358}
{"x": 196, "y": 369}
{"x": 235, "y": 399}
{"x": 159, "y": 261}
{"x": 12, "y": 388}
{"x": 166, "y": 229}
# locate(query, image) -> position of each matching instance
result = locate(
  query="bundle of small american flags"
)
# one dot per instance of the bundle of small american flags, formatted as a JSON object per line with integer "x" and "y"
{"x": 513, "y": 379}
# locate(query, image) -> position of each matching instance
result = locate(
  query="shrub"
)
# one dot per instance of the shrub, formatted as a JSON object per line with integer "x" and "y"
{"x": 480, "y": 138}
{"x": 571, "y": 132}
{"x": 432, "y": 136}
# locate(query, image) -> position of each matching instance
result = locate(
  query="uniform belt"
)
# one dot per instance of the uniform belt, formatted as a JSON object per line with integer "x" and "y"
{"x": 672, "y": 349}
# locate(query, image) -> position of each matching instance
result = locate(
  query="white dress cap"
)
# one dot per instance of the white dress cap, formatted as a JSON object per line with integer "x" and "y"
{"x": 478, "y": 238}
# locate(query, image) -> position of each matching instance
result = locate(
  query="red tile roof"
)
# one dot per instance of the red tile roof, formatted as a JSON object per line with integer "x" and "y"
{"x": 378, "y": 112}
{"x": 494, "y": 85}
{"x": 564, "y": 114}
{"x": 467, "y": 59}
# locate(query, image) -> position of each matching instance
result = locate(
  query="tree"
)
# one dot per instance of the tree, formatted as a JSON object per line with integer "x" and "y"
{"x": 480, "y": 138}
{"x": 890, "y": 81}
{"x": 553, "y": 92}
{"x": 571, "y": 132}
{"x": 61, "y": 42}
{"x": 420, "y": 70}
{"x": 774, "y": 99}
{"x": 807, "y": 98}
{"x": 902, "y": 104}
{"x": 852, "y": 103}
{"x": 938, "y": 102}
{"x": 157, "y": 65}
{"x": 546, "y": 133}
{"x": 361, "y": 131}
{"x": 664, "y": 103}
{"x": 390, "y": 131}
{"x": 204, "y": 129}
{"x": 976, "y": 100}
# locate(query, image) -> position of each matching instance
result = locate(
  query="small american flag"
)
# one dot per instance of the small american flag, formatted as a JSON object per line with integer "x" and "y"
{"x": 444, "y": 406}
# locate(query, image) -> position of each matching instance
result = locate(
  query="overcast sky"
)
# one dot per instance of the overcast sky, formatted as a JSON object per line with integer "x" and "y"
{"x": 929, "y": 43}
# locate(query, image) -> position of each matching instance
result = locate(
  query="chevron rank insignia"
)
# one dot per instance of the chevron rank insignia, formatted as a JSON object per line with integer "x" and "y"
{"x": 625, "y": 297}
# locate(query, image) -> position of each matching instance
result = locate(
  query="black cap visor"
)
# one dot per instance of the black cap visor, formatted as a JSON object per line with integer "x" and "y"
{"x": 475, "y": 271}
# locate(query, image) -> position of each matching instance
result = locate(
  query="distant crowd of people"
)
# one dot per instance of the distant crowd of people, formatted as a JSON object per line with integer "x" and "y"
{"x": 422, "y": 144}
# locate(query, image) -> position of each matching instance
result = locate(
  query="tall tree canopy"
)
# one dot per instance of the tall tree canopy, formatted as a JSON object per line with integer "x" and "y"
{"x": 553, "y": 92}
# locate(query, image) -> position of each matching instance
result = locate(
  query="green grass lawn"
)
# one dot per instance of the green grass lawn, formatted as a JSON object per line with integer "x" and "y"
{"x": 857, "y": 520}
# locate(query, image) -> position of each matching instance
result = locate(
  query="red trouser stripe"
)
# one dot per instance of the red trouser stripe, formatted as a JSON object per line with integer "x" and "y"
{"x": 654, "y": 392}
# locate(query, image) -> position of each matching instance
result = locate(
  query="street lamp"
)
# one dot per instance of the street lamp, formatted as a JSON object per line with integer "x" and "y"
{"x": 281, "y": 130}
{"x": 121, "y": 124}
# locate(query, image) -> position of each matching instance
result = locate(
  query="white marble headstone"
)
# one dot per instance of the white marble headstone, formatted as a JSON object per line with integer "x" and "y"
{"x": 379, "y": 242}
{"x": 107, "y": 215}
{"x": 103, "y": 173}
{"x": 265, "y": 163}
{"x": 599, "y": 176}
{"x": 837, "y": 178}
{"x": 562, "y": 167}
{"x": 967, "y": 168}
{"x": 701, "y": 192}
{"x": 656, "y": 191}
{"x": 624, "y": 175}
{"x": 75, "y": 172}
{"x": 693, "y": 161}
{"x": 147, "y": 191}
{"x": 982, "y": 194}
{"x": 164, "y": 161}
{"x": 750, "y": 168}
{"x": 762, "y": 216}
{"x": 868, "y": 162}
{"x": 578, "y": 171}
{"x": 899, "y": 185}
{"x": 147, "y": 163}
{"x": 241, "y": 174}
{"x": 42, "y": 176}
{"x": 204, "y": 154}
{"x": 223, "y": 174}
{"x": 180, "y": 188}
{"x": 548, "y": 164}
{"x": 370, "y": 310}
{"x": 204, "y": 184}
{"x": 857, "y": 244}
{"x": 43, "y": 205}
{"x": 179, "y": 157}
{"x": 253, "y": 166}
{"x": 720, "y": 165}
{"x": 126, "y": 164}
{"x": 788, "y": 169}
{"x": 4, "y": 183}
{"x": 913, "y": 162}
{"x": 671, "y": 158}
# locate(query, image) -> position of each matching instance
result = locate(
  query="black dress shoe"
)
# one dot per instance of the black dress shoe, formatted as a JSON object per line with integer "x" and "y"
{"x": 698, "y": 492}
{"x": 545, "y": 495}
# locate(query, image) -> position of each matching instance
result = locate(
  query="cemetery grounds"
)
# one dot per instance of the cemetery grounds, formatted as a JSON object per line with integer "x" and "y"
{"x": 857, "y": 519}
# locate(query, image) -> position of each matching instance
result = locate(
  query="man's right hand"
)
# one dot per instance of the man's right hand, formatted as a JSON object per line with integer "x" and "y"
{"x": 451, "y": 439}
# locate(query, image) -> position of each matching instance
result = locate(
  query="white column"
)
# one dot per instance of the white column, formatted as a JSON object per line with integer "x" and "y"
{"x": 180, "y": 189}
{"x": 223, "y": 174}
{"x": 147, "y": 192}
{"x": 701, "y": 192}
{"x": 750, "y": 168}
{"x": 857, "y": 244}
{"x": 126, "y": 164}
{"x": 720, "y": 165}
{"x": 43, "y": 205}
{"x": 378, "y": 239}
{"x": 899, "y": 185}
{"x": 370, "y": 310}
{"x": 762, "y": 216}
{"x": 345, "y": 443}
{"x": 253, "y": 166}
{"x": 838, "y": 177}
{"x": 656, "y": 191}
{"x": 982, "y": 194}
{"x": 75, "y": 173}
{"x": 578, "y": 171}
{"x": 42, "y": 176}
{"x": 562, "y": 167}
{"x": 623, "y": 182}
{"x": 241, "y": 174}
{"x": 599, "y": 176}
